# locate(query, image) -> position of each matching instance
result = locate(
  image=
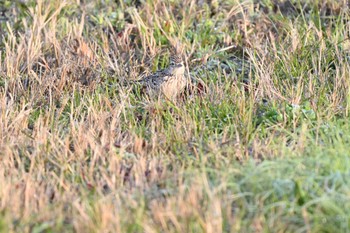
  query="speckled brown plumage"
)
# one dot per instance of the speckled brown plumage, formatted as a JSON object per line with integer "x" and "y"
{"x": 169, "y": 82}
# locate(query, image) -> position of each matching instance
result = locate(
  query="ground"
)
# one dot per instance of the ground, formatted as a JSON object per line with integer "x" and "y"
{"x": 258, "y": 142}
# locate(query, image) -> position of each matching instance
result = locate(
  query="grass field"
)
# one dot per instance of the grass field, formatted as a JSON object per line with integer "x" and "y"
{"x": 259, "y": 142}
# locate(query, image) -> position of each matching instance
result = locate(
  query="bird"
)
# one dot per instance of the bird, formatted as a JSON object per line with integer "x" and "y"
{"x": 168, "y": 82}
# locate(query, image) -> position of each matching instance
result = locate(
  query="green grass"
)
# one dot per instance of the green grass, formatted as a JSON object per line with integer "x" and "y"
{"x": 262, "y": 144}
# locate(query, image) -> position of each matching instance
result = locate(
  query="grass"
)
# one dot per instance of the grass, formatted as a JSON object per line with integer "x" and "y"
{"x": 261, "y": 144}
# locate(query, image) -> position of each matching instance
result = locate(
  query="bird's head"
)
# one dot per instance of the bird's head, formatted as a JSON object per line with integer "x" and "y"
{"x": 177, "y": 64}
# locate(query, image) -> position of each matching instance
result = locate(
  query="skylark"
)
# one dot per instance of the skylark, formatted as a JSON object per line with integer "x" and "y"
{"x": 169, "y": 82}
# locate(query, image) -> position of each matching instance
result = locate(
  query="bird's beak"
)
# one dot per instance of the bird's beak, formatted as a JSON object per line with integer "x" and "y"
{"x": 179, "y": 65}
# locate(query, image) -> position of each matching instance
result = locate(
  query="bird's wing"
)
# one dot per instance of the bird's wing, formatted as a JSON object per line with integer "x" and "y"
{"x": 157, "y": 77}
